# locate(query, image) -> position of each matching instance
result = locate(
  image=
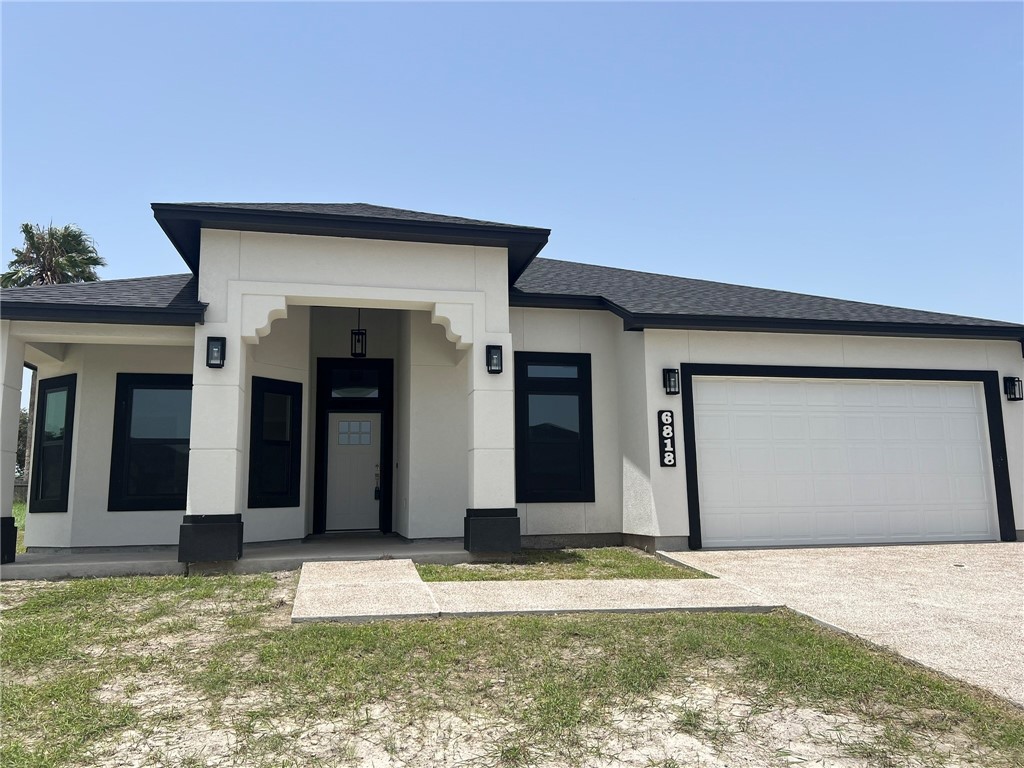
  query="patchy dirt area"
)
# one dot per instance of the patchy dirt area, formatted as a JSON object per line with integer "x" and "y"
{"x": 201, "y": 672}
{"x": 703, "y": 725}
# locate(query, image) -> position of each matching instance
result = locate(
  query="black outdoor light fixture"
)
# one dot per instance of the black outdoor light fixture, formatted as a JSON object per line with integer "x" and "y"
{"x": 670, "y": 378}
{"x": 1013, "y": 388}
{"x": 359, "y": 337}
{"x": 494, "y": 358}
{"x": 216, "y": 346}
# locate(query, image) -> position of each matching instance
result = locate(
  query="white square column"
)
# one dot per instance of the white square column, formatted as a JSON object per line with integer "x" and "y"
{"x": 492, "y": 436}
{"x": 212, "y": 526}
{"x": 492, "y": 522}
{"x": 12, "y": 362}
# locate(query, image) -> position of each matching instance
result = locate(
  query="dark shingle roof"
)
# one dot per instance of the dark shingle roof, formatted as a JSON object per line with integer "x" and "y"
{"x": 646, "y": 294}
{"x": 164, "y": 300}
{"x": 355, "y": 210}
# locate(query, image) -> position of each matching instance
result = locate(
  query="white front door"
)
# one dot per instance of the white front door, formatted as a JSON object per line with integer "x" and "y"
{"x": 353, "y": 471}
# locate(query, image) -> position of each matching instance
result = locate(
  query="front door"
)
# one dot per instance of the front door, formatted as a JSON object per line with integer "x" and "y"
{"x": 354, "y": 445}
{"x": 353, "y": 471}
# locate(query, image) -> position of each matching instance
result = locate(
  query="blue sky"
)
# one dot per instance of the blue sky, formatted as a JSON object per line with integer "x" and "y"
{"x": 864, "y": 150}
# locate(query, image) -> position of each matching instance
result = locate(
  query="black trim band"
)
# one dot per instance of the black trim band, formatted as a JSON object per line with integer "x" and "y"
{"x": 78, "y": 313}
{"x": 8, "y": 540}
{"x": 993, "y": 409}
{"x": 492, "y": 530}
{"x": 210, "y": 538}
{"x": 639, "y": 321}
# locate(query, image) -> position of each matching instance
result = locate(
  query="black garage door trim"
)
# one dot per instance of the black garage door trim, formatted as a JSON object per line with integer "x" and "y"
{"x": 993, "y": 408}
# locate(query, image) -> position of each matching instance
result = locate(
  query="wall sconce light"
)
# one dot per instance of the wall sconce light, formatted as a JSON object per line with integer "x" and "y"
{"x": 216, "y": 348}
{"x": 670, "y": 378}
{"x": 359, "y": 337}
{"x": 494, "y": 358}
{"x": 1013, "y": 388}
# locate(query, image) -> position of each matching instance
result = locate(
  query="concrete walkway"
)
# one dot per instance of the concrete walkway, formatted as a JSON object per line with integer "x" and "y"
{"x": 392, "y": 589}
{"x": 958, "y": 608}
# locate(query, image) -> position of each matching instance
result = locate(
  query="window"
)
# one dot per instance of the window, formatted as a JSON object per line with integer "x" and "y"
{"x": 354, "y": 433}
{"x": 275, "y": 443}
{"x": 554, "y": 431}
{"x": 51, "y": 460}
{"x": 149, "y": 461}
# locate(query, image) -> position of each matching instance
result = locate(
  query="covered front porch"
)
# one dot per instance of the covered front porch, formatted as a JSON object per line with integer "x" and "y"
{"x": 50, "y": 564}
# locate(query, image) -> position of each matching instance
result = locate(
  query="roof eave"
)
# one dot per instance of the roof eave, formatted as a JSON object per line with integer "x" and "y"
{"x": 78, "y": 313}
{"x": 633, "y": 321}
{"x": 182, "y": 225}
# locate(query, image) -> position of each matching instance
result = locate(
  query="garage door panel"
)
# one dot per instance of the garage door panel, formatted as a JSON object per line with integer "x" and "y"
{"x": 861, "y": 427}
{"x": 936, "y": 489}
{"x": 973, "y": 521}
{"x": 930, "y": 428}
{"x": 823, "y": 393}
{"x": 829, "y": 462}
{"x": 789, "y": 426}
{"x": 864, "y": 459}
{"x": 755, "y": 458}
{"x": 713, "y": 427}
{"x": 898, "y": 458}
{"x": 897, "y": 427}
{"x": 857, "y": 394}
{"x": 969, "y": 489}
{"x": 968, "y": 459}
{"x": 795, "y": 490}
{"x": 792, "y": 458}
{"x": 745, "y": 426}
{"x": 828, "y": 458}
{"x": 825, "y": 427}
{"x": 756, "y": 490}
{"x": 964, "y": 427}
{"x": 933, "y": 459}
{"x": 868, "y": 489}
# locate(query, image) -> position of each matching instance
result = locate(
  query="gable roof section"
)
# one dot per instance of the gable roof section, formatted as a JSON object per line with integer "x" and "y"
{"x": 645, "y": 300}
{"x": 165, "y": 300}
{"x": 182, "y": 223}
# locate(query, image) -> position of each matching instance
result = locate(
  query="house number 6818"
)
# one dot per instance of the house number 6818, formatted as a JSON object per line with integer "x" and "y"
{"x": 667, "y": 438}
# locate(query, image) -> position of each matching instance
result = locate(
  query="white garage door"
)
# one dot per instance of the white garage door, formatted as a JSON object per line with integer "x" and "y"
{"x": 814, "y": 461}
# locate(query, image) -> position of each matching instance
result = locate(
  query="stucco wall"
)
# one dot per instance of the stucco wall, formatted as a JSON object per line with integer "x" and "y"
{"x": 595, "y": 333}
{"x": 432, "y": 497}
{"x": 87, "y": 522}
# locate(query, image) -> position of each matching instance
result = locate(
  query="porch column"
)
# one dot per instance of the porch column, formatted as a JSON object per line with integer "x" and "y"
{"x": 492, "y": 524}
{"x": 212, "y": 527}
{"x": 12, "y": 361}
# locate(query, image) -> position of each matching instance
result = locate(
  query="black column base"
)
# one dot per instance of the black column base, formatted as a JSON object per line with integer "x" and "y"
{"x": 210, "y": 538}
{"x": 8, "y": 539}
{"x": 492, "y": 530}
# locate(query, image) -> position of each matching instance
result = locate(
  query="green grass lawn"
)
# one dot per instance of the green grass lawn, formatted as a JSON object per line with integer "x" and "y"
{"x": 19, "y": 520}
{"x": 598, "y": 563}
{"x": 169, "y": 670}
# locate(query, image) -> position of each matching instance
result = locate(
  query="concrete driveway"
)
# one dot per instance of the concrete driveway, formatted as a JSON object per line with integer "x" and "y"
{"x": 958, "y": 608}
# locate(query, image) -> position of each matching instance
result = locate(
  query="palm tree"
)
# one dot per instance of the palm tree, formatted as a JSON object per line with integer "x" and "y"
{"x": 52, "y": 255}
{"x": 49, "y": 255}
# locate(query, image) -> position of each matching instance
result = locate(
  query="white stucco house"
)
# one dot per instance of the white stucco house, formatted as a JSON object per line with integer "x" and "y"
{"x": 329, "y": 368}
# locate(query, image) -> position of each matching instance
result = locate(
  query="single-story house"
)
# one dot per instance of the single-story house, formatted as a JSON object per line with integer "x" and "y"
{"x": 329, "y": 368}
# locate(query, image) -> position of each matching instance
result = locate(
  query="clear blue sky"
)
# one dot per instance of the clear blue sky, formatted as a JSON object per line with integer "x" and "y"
{"x": 868, "y": 151}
